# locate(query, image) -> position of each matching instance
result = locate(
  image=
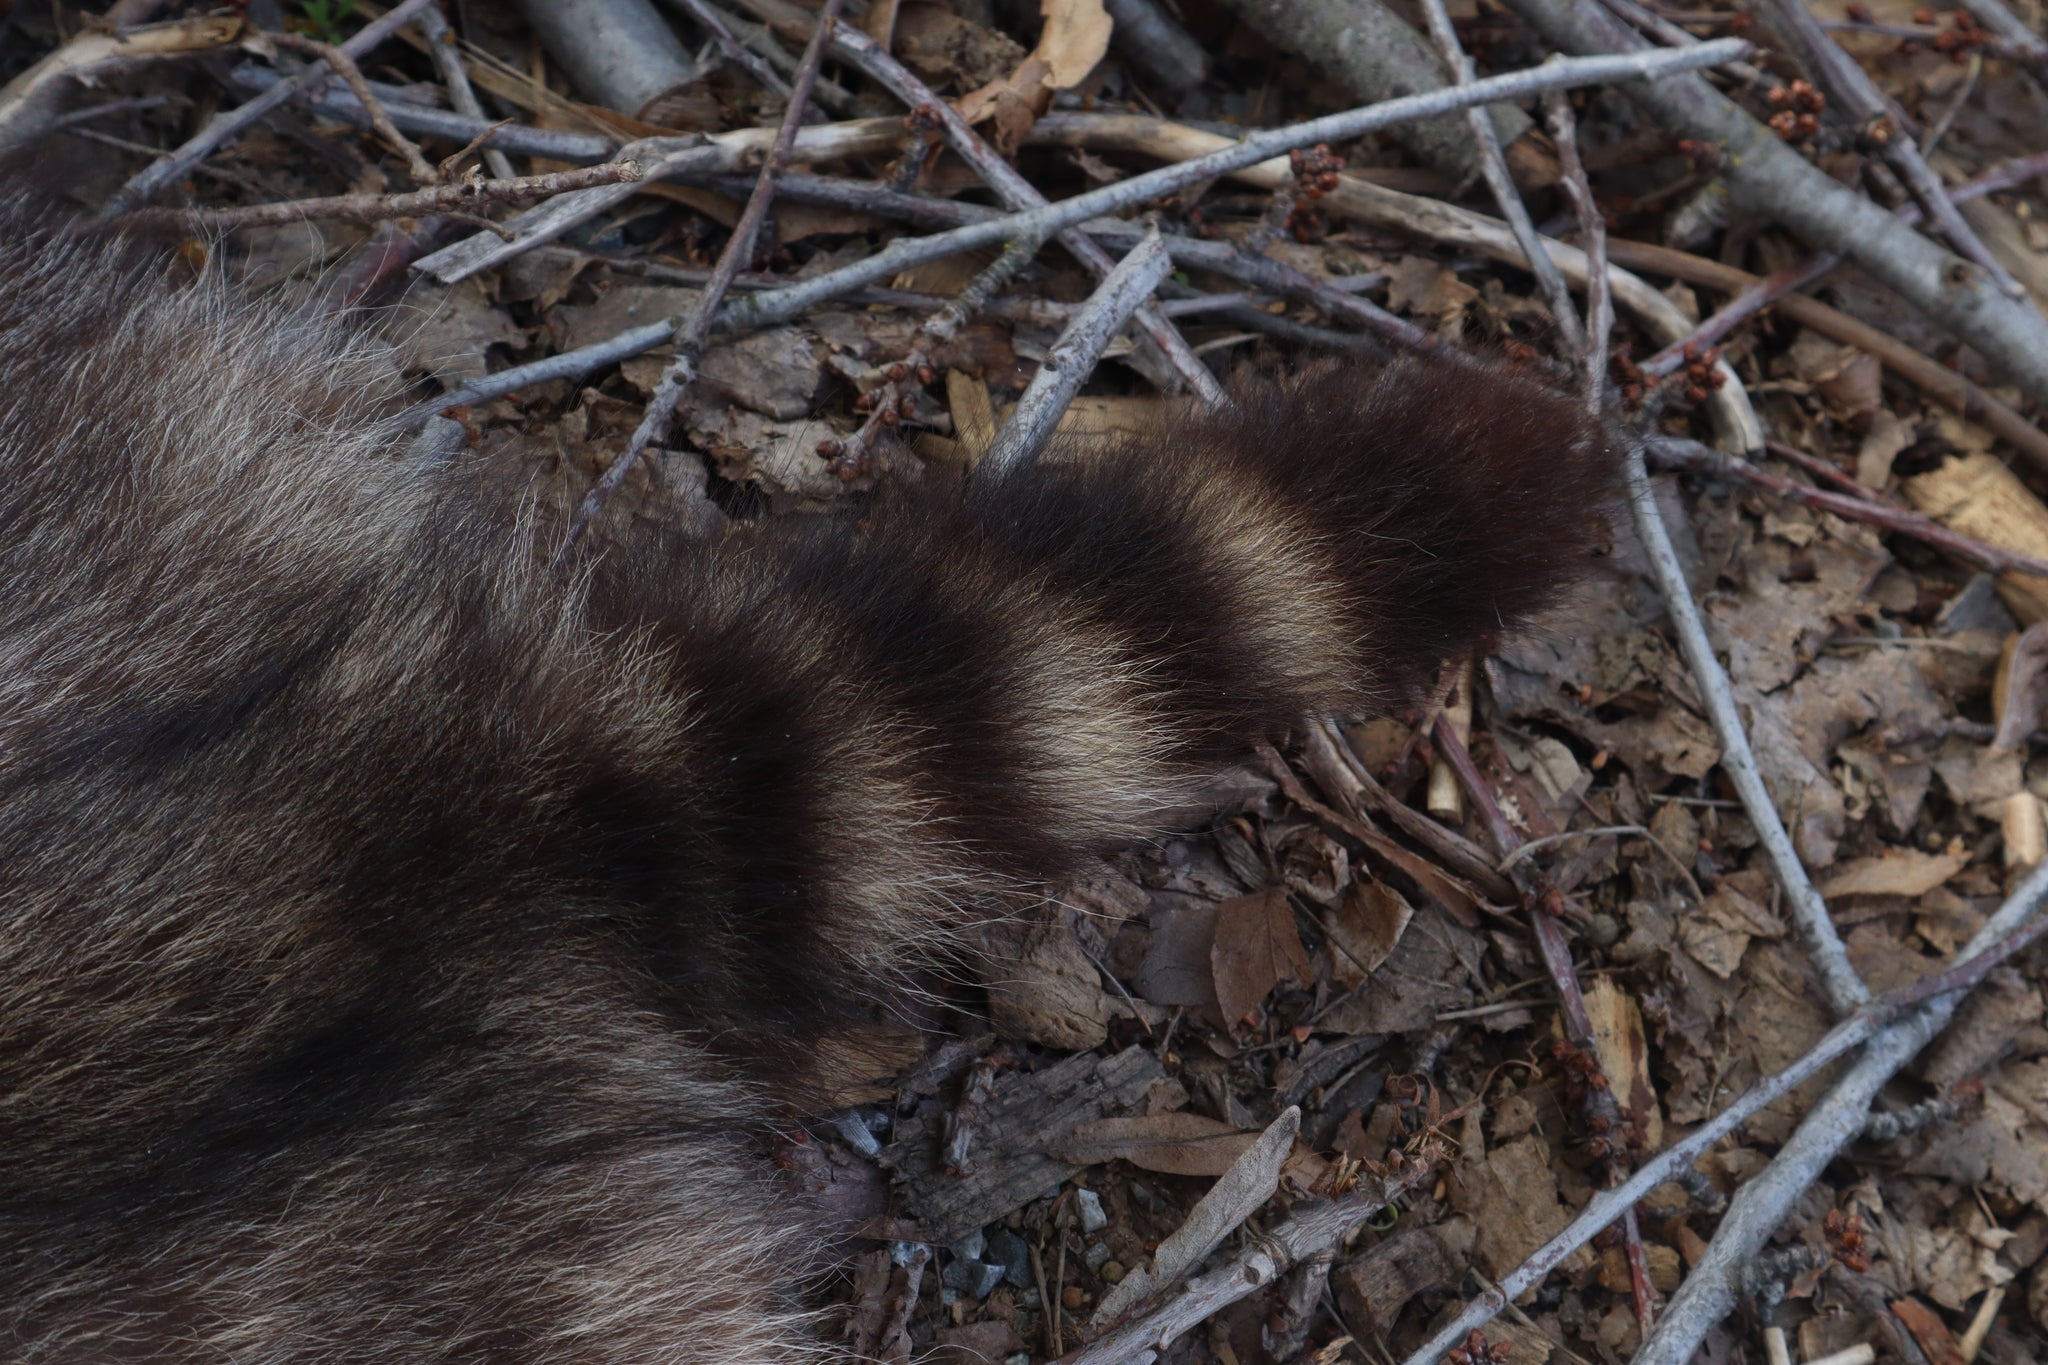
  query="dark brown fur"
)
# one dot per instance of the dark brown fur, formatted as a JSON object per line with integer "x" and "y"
{"x": 399, "y": 950}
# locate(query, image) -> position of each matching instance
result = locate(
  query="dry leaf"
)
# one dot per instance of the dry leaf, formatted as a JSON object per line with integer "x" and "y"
{"x": 1175, "y": 1144}
{"x": 1075, "y": 37}
{"x": 2021, "y": 689}
{"x": 1256, "y": 945}
{"x": 1895, "y": 872}
{"x": 1364, "y": 927}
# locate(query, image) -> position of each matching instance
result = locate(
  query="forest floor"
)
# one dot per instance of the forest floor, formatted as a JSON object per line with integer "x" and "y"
{"x": 1312, "y": 1082}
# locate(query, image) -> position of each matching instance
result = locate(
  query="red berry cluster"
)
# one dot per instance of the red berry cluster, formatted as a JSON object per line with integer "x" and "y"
{"x": 1702, "y": 372}
{"x": 1798, "y": 106}
{"x": 1847, "y": 1239}
{"x": 1963, "y": 36}
{"x": 1315, "y": 169}
{"x": 1478, "y": 1351}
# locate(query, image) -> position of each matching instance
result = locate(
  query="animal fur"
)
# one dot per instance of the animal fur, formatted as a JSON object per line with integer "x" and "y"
{"x": 400, "y": 950}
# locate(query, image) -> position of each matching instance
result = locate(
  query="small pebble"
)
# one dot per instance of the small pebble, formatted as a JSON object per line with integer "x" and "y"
{"x": 1094, "y": 1255}
{"x": 969, "y": 1248}
{"x": 1007, "y": 1249}
{"x": 1093, "y": 1219}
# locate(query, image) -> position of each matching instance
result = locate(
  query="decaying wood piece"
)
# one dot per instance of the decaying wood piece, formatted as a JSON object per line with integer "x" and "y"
{"x": 1010, "y": 1168}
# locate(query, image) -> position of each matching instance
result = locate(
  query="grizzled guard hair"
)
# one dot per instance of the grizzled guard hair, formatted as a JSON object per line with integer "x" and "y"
{"x": 401, "y": 952}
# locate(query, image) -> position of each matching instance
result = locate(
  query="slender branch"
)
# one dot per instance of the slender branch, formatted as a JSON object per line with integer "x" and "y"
{"x": 1074, "y": 356}
{"x": 1809, "y": 272}
{"x": 1493, "y": 165}
{"x": 1758, "y": 1208}
{"x": 447, "y": 57}
{"x": 749, "y": 61}
{"x": 2012, "y": 929}
{"x": 1018, "y": 193}
{"x": 517, "y": 138}
{"x": 1672, "y": 453}
{"x": 2030, "y": 47}
{"x": 1578, "y": 188}
{"x": 423, "y": 171}
{"x": 694, "y": 329}
{"x": 175, "y": 165}
{"x": 765, "y": 309}
{"x": 1845, "y": 989}
{"x": 1312, "y": 1230}
{"x": 463, "y": 197}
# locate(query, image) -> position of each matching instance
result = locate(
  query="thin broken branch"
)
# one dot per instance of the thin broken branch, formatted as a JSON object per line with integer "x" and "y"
{"x": 695, "y": 329}
{"x": 1074, "y": 356}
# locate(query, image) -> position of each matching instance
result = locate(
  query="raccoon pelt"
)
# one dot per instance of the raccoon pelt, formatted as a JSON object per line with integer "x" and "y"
{"x": 402, "y": 948}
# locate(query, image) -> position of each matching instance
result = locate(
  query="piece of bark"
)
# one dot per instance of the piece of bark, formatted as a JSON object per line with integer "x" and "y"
{"x": 1009, "y": 1170}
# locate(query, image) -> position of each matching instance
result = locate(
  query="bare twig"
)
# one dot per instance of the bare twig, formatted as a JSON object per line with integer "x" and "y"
{"x": 749, "y": 61}
{"x": 518, "y": 139}
{"x": 1578, "y": 188}
{"x": 692, "y": 332}
{"x": 1074, "y": 356}
{"x": 666, "y": 158}
{"x": 1709, "y": 1292}
{"x": 1018, "y": 193}
{"x": 2030, "y": 46}
{"x": 219, "y": 129}
{"x": 1937, "y": 381}
{"x": 1735, "y": 422}
{"x": 1809, "y": 272}
{"x": 2016, "y": 925}
{"x": 1673, "y": 453}
{"x": 423, "y": 171}
{"x": 1493, "y": 166}
{"x": 448, "y": 61}
{"x": 466, "y": 197}
{"x": 1845, "y": 989}
{"x": 765, "y": 309}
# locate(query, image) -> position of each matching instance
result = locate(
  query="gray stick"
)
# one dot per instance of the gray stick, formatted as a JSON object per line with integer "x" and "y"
{"x": 1845, "y": 989}
{"x": 1073, "y": 357}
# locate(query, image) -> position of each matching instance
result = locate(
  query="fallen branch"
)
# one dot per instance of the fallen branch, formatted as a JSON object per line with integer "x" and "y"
{"x": 1074, "y": 356}
{"x": 1852, "y": 90}
{"x": 1691, "y": 456}
{"x": 779, "y": 306}
{"x": 1308, "y": 1233}
{"x": 465, "y": 197}
{"x": 1493, "y": 165}
{"x": 1758, "y": 1208}
{"x": 1735, "y": 422}
{"x": 1018, "y": 193}
{"x": 1937, "y": 381}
